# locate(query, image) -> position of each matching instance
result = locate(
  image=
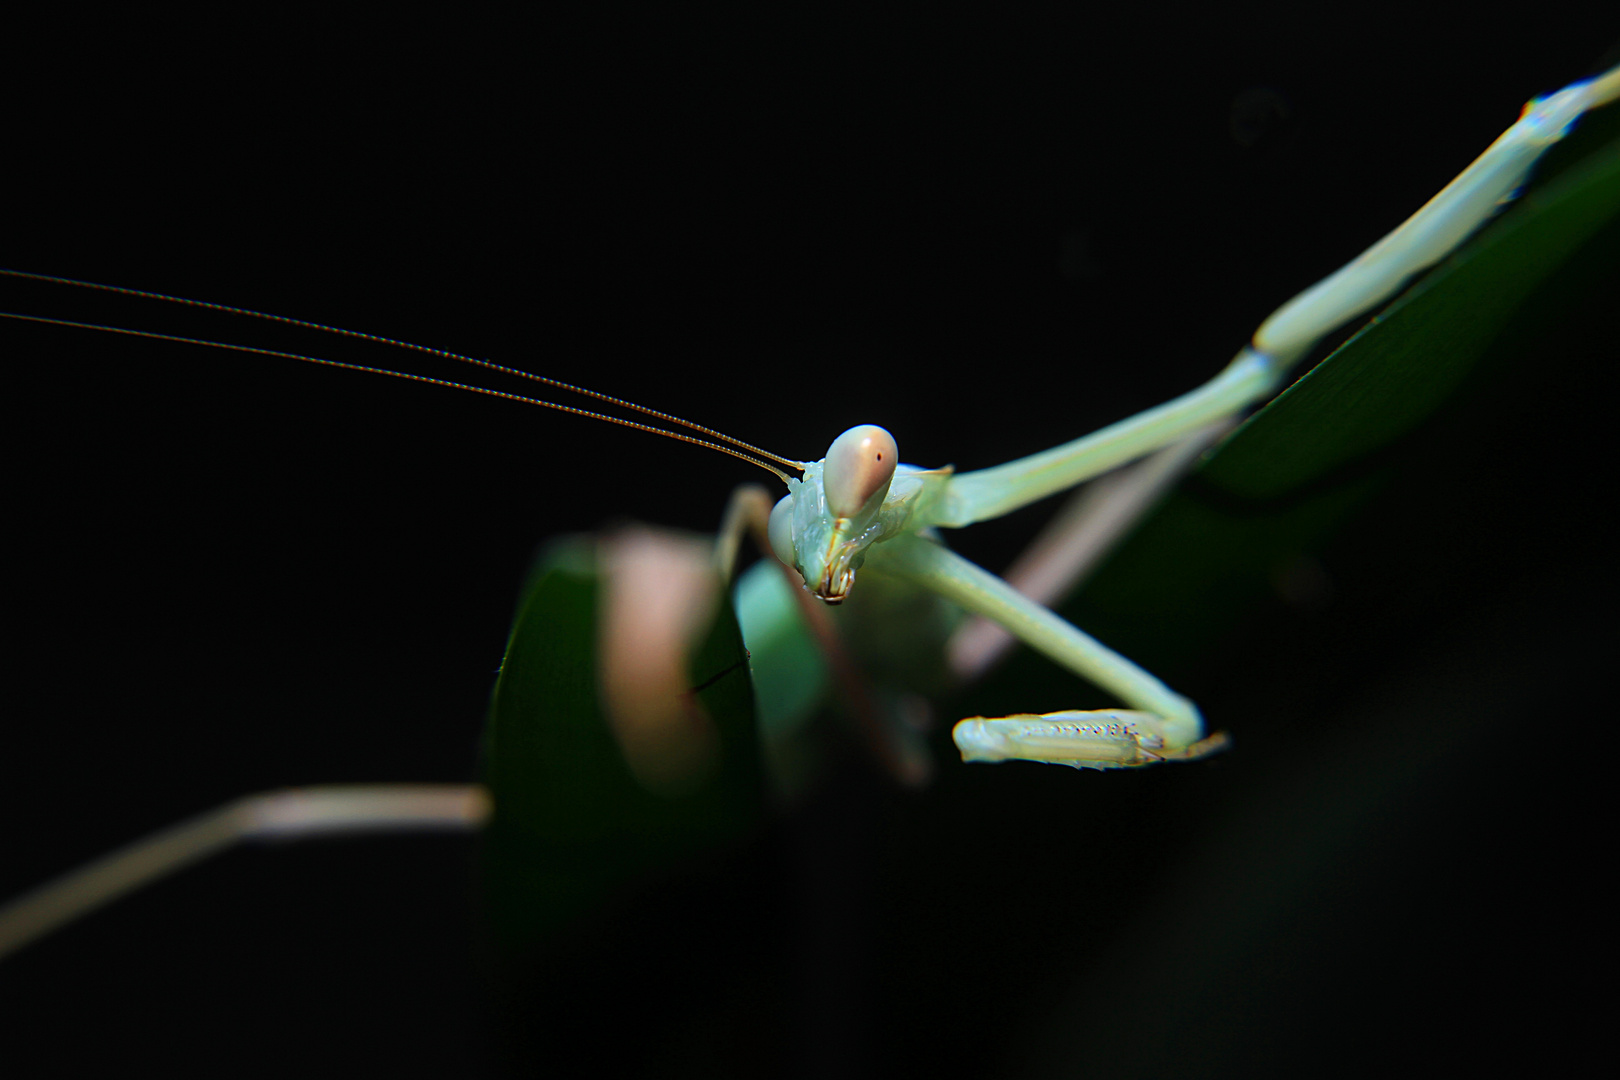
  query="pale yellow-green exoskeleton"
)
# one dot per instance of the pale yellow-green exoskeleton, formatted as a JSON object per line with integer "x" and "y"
{"x": 861, "y": 512}
{"x": 859, "y": 521}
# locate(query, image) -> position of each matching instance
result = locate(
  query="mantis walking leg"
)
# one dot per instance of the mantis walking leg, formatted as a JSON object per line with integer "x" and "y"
{"x": 1294, "y": 329}
{"x": 1162, "y": 724}
{"x": 1076, "y": 541}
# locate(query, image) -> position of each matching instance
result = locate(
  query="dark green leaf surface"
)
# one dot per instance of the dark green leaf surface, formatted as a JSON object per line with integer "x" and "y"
{"x": 573, "y": 827}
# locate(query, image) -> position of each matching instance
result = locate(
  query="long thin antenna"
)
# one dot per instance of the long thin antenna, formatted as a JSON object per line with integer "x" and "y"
{"x": 754, "y": 455}
{"x": 469, "y": 387}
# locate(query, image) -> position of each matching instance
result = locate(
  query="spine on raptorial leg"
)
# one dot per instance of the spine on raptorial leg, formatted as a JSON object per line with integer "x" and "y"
{"x": 1084, "y": 739}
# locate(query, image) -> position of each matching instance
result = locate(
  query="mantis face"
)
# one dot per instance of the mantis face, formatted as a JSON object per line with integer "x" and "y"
{"x": 825, "y": 523}
{"x": 856, "y": 496}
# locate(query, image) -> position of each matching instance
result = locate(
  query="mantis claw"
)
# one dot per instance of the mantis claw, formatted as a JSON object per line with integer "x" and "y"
{"x": 1095, "y": 739}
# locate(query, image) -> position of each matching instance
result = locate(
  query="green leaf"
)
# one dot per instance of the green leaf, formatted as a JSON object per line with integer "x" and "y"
{"x": 573, "y": 828}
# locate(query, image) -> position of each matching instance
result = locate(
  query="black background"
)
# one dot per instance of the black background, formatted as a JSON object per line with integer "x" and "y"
{"x": 988, "y": 232}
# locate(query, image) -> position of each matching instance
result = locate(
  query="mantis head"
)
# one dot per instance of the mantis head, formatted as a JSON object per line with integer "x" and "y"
{"x": 825, "y": 523}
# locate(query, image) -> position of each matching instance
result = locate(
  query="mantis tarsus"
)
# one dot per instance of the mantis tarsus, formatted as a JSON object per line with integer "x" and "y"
{"x": 336, "y": 716}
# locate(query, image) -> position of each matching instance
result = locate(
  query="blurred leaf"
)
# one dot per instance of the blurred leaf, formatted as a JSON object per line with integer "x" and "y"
{"x": 573, "y": 828}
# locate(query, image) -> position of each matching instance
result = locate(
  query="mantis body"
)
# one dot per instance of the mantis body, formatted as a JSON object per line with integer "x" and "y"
{"x": 858, "y": 505}
{"x": 857, "y": 586}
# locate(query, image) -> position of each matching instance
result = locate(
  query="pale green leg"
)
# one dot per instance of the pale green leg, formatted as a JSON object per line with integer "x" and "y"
{"x": 1077, "y": 540}
{"x": 1161, "y": 724}
{"x": 989, "y": 493}
{"x": 1294, "y": 329}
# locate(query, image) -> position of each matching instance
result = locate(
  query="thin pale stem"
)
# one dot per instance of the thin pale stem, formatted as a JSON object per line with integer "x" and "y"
{"x": 296, "y": 814}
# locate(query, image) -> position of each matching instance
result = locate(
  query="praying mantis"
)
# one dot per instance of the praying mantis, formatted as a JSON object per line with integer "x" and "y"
{"x": 449, "y": 454}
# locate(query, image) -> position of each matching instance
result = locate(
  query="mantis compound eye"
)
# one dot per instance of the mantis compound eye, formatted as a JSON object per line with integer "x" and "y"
{"x": 780, "y": 531}
{"x": 860, "y": 463}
